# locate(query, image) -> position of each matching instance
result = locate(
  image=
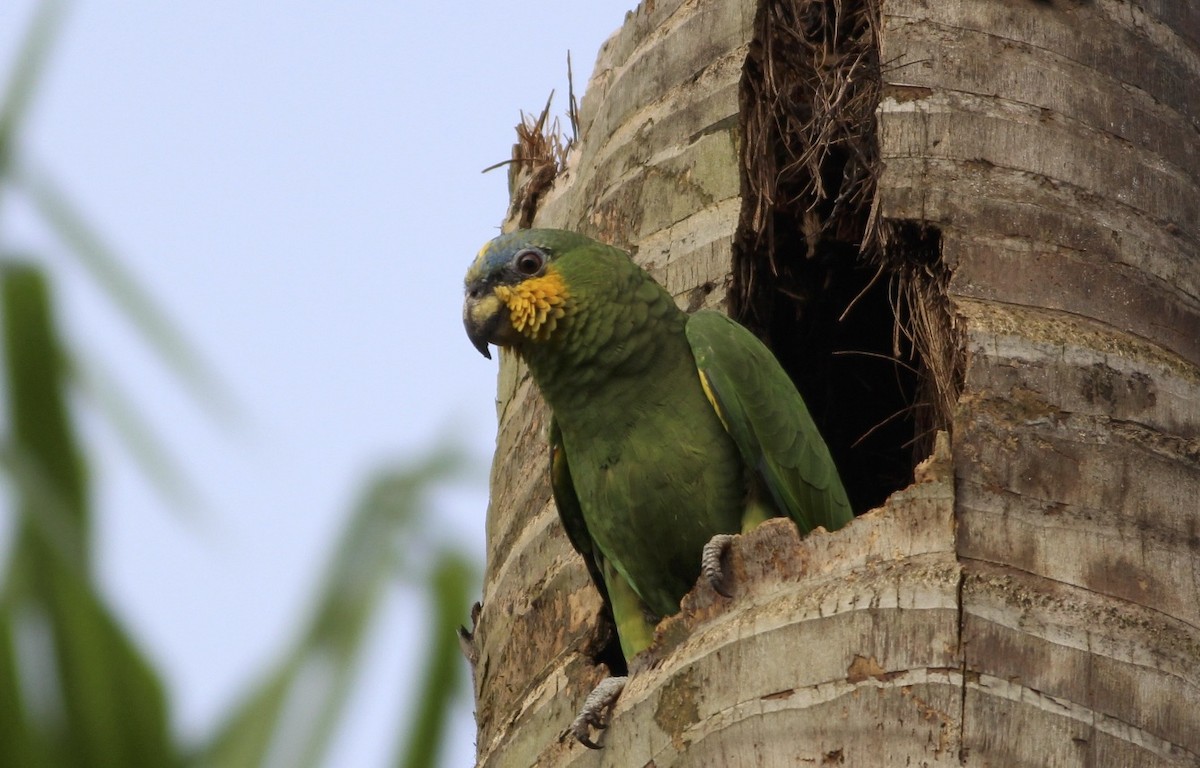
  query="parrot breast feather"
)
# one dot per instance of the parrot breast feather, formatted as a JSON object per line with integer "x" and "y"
{"x": 766, "y": 417}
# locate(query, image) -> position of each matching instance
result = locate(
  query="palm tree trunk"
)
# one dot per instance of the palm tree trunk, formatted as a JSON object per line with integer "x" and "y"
{"x": 1001, "y": 196}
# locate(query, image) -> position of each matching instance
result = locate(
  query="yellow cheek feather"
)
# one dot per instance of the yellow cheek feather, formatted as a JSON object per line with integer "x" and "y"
{"x": 535, "y": 305}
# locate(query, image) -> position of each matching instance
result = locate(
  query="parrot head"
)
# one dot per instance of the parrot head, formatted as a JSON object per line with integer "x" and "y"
{"x": 515, "y": 292}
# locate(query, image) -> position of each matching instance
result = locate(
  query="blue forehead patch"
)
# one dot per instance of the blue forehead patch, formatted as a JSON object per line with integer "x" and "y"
{"x": 496, "y": 254}
{"x": 499, "y": 252}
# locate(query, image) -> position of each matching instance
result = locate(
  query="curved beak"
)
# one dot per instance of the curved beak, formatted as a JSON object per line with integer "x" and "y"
{"x": 482, "y": 317}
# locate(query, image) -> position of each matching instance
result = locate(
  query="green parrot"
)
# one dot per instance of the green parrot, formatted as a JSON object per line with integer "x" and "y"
{"x": 670, "y": 432}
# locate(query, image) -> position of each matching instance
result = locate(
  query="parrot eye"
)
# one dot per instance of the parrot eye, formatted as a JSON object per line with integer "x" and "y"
{"x": 528, "y": 262}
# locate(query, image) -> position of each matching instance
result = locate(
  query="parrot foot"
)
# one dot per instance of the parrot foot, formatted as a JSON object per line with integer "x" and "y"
{"x": 710, "y": 562}
{"x": 596, "y": 709}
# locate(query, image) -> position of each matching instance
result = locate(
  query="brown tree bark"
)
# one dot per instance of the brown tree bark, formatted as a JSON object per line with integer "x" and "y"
{"x": 1030, "y": 594}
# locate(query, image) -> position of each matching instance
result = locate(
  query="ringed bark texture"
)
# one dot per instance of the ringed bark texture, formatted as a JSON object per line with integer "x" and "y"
{"x": 1057, "y": 148}
{"x": 1034, "y": 598}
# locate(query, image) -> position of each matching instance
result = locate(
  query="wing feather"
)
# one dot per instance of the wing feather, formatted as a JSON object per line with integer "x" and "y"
{"x": 570, "y": 512}
{"x": 767, "y": 419}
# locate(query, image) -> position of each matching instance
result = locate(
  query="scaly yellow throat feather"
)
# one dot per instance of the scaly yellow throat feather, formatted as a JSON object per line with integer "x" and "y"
{"x": 535, "y": 305}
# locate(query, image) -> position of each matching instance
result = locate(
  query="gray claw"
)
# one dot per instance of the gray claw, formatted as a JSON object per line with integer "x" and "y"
{"x": 710, "y": 562}
{"x": 596, "y": 709}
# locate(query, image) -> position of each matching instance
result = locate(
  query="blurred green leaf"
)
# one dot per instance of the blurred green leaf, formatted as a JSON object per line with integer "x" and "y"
{"x": 114, "y": 709}
{"x": 44, "y": 507}
{"x": 17, "y": 747}
{"x": 74, "y": 688}
{"x": 42, "y": 434}
{"x": 291, "y": 717}
{"x": 451, "y": 582}
{"x": 26, "y": 71}
{"x": 83, "y": 695}
{"x": 84, "y": 242}
{"x": 137, "y": 435}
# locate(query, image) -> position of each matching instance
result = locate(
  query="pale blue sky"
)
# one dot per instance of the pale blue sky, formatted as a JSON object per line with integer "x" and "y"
{"x": 300, "y": 187}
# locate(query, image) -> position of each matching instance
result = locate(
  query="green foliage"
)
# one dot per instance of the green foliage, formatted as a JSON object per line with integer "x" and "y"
{"x": 75, "y": 690}
{"x": 291, "y": 715}
{"x": 452, "y": 580}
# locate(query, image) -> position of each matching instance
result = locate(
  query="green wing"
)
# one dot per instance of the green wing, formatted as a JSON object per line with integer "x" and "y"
{"x": 767, "y": 419}
{"x": 623, "y": 606}
{"x": 569, "y": 510}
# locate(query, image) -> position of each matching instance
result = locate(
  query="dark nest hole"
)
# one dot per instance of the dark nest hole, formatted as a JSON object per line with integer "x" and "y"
{"x": 853, "y": 306}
